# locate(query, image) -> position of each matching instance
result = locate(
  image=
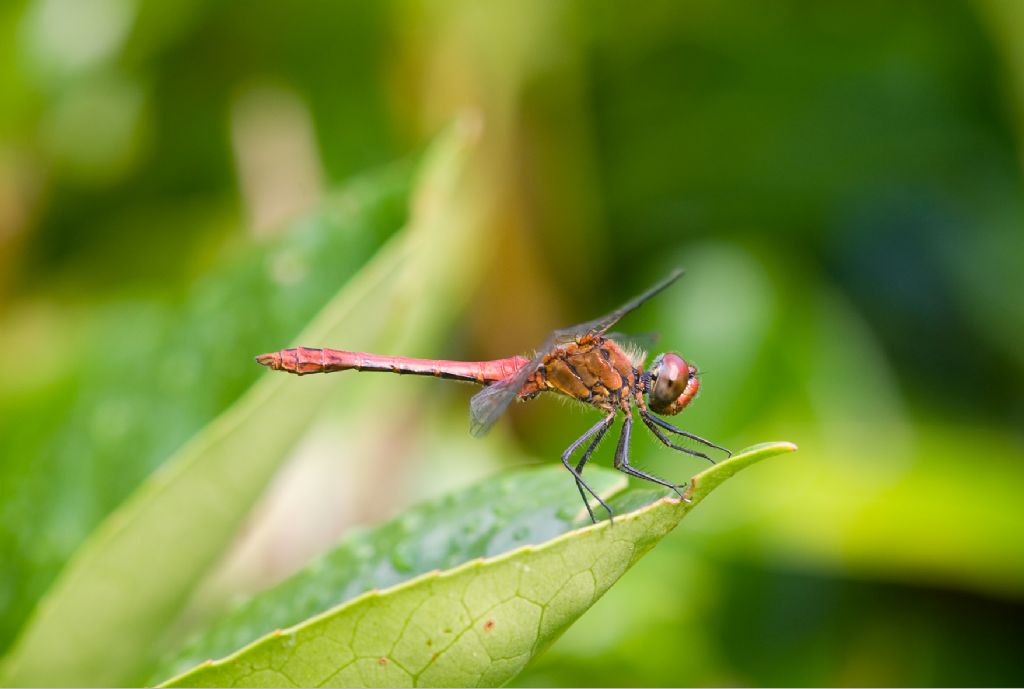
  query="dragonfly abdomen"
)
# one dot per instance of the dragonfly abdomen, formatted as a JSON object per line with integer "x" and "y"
{"x": 305, "y": 360}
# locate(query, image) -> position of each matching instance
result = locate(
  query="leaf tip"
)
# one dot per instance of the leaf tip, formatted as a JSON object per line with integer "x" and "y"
{"x": 772, "y": 448}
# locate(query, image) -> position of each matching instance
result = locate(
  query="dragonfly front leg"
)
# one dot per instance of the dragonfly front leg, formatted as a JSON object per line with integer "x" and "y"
{"x": 622, "y": 459}
{"x": 679, "y": 431}
{"x": 649, "y": 420}
{"x": 597, "y": 430}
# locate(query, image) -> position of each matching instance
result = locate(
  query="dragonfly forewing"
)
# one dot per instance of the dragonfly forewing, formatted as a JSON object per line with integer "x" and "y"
{"x": 601, "y": 325}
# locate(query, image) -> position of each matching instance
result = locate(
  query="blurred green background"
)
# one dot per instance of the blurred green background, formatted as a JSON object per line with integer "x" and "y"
{"x": 842, "y": 182}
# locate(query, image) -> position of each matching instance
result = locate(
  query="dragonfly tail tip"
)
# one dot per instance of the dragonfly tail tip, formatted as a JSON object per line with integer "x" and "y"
{"x": 270, "y": 360}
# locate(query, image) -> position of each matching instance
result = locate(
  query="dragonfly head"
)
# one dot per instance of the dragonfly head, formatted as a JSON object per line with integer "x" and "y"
{"x": 673, "y": 384}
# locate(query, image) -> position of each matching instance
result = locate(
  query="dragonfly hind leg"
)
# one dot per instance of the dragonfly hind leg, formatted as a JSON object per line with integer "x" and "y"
{"x": 623, "y": 465}
{"x": 597, "y": 430}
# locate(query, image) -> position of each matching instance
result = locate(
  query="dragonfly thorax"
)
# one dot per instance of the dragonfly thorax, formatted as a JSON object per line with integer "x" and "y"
{"x": 673, "y": 384}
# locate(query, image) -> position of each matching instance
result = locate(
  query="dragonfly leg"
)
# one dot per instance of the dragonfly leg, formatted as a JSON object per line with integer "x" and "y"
{"x": 598, "y": 429}
{"x": 583, "y": 461}
{"x": 622, "y": 460}
{"x": 672, "y": 429}
{"x": 663, "y": 438}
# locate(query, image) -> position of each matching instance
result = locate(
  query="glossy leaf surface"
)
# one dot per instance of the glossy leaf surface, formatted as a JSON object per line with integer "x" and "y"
{"x": 477, "y": 623}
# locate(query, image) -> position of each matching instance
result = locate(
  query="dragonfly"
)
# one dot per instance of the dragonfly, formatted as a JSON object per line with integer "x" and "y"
{"x": 585, "y": 363}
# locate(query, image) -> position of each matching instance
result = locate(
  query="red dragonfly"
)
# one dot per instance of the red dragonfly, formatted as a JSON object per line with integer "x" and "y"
{"x": 581, "y": 362}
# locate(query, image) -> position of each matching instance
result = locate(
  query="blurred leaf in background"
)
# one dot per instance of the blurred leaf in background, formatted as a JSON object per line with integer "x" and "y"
{"x": 137, "y": 300}
{"x": 842, "y": 182}
{"x": 115, "y": 604}
{"x": 150, "y": 374}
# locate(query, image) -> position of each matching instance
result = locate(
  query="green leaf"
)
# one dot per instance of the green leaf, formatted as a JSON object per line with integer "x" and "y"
{"x": 490, "y": 518}
{"x": 149, "y": 371}
{"x": 103, "y": 620}
{"x": 477, "y": 623}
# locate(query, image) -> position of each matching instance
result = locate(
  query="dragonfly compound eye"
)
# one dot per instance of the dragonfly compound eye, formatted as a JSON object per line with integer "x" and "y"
{"x": 670, "y": 378}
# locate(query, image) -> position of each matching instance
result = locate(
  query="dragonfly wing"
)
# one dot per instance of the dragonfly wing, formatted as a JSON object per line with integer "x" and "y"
{"x": 643, "y": 341}
{"x": 636, "y": 346}
{"x": 487, "y": 406}
{"x": 601, "y": 325}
